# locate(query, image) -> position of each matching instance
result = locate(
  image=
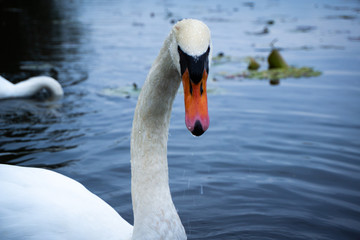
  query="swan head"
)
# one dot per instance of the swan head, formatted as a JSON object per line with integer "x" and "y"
{"x": 191, "y": 53}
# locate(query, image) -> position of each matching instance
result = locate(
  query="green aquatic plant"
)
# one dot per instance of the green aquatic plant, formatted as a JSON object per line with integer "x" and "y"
{"x": 275, "y": 60}
{"x": 278, "y": 68}
{"x": 278, "y": 73}
{"x": 253, "y": 64}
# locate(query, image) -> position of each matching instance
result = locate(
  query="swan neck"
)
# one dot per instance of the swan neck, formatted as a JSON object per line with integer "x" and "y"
{"x": 152, "y": 203}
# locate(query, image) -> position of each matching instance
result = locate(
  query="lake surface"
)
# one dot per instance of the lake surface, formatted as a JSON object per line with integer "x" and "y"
{"x": 278, "y": 162}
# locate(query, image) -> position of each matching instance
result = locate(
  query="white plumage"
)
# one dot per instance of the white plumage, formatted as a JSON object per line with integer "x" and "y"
{"x": 42, "y": 204}
{"x": 30, "y": 88}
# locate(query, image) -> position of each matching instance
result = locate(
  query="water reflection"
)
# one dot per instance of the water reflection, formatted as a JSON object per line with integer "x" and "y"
{"x": 274, "y": 81}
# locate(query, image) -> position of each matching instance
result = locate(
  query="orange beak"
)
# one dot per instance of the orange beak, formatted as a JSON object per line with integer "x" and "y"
{"x": 196, "y": 107}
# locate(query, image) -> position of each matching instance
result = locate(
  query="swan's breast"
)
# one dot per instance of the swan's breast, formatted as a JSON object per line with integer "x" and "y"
{"x": 42, "y": 204}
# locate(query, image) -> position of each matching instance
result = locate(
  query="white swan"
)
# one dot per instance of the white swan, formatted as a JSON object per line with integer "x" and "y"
{"x": 41, "y": 204}
{"x": 30, "y": 88}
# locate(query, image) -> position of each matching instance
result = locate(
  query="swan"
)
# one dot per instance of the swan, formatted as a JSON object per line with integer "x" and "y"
{"x": 41, "y": 204}
{"x": 30, "y": 87}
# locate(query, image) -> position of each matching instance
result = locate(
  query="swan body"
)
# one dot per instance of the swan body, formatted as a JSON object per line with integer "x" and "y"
{"x": 41, "y": 204}
{"x": 30, "y": 88}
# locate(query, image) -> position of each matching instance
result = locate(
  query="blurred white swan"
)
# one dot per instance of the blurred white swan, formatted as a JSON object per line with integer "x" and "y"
{"x": 30, "y": 88}
{"x": 41, "y": 204}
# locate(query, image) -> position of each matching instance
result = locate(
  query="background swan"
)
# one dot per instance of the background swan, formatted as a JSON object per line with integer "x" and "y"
{"x": 41, "y": 204}
{"x": 30, "y": 87}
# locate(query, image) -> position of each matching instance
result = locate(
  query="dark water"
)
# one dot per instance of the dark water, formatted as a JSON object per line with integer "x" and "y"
{"x": 278, "y": 162}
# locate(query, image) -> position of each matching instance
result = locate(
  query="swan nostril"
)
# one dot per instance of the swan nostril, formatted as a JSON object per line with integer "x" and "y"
{"x": 198, "y": 129}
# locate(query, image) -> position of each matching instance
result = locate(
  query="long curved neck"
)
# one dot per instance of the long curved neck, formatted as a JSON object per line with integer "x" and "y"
{"x": 155, "y": 216}
{"x": 30, "y": 87}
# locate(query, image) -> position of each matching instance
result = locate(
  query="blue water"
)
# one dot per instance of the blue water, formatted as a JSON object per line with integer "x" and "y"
{"x": 278, "y": 162}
